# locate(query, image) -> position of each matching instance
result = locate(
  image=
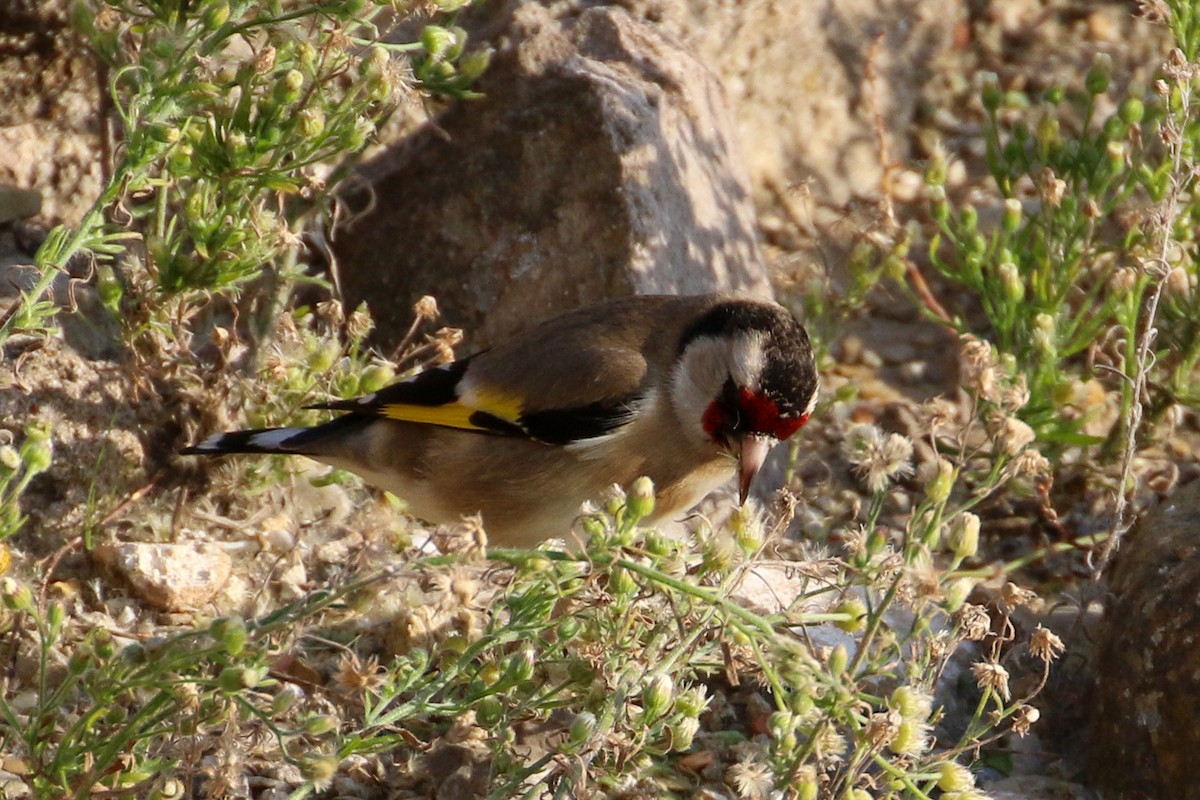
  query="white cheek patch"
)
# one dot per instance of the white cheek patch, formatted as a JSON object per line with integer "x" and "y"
{"x": 747, "y": 358}
{"x": 699, "y": 376}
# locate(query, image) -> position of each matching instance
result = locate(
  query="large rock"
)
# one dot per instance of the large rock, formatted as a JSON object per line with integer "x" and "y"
{"x": 805, "y": 79}
{"x": 1145, "y": 742}
{"x": 600, "y": 162}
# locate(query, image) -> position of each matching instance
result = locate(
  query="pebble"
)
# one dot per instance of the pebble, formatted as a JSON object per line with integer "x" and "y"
{"x": 170, "y": 577}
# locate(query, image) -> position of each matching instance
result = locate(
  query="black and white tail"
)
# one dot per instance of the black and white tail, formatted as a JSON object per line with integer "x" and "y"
{"x": 263, "y": 440}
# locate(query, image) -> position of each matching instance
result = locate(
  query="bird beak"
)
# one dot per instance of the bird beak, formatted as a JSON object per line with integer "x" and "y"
{"x": 751, "y": 453}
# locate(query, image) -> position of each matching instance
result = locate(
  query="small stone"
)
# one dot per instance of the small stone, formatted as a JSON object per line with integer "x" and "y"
{"x": 276, "y": 540}
{"x": 170, "y": 577}
{"x": 18, "y": 203}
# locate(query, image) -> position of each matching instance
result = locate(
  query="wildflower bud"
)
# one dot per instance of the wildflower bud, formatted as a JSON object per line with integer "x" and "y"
{"x": 306, "y": 57}
{"x": 683, "y": 733}
{"x": 312, "y": 121}
{"x": 325, "y": 356}
{"x": 692, "y": 702}
{"x": 747, "y": 527}
{"x": 319, "y": 768}
{"x": 1161, "y": 88}
{"x": 375, "y": 377}
{"x": 1048, "y": 130}
{"x": 780, "y": 724}
{"x": 964, "y": 535}
{"x": 1010, "y": 279}
{"x": 166, "y": 134}
{"x": 805, "y": 785}
{"x": 969, "y": 218}
{"x": 359, "y": 324}
{"x": 641, "y": 499}
{"x": 614, "y": 500}
{"x": 10, "y": 460}
{"x": 895, "y": 267}
{"x": 216, "y": 15}
{"x": 37, "y": 452}
{"x": 954, "y": 777}
{"x": 858, "y": 794}
{"x": 1132, "y": 111}
{"x": 320, "y": 724}
{"x": 436, "y": 40}
{"x": 1096, "y": 80}
{"x": 569, "y": 629}
{"x": 231, "y": 680}
{"x": 56, "y": 614}
{"x": 940, "y": 482}
{"x": 287, "y": 89}
{"x": 78, "y": 662}
{"x": 935, "y": 170}
{"x": 912, "y": 703}
{"x": 519, "y": 667}
{"x": 475, "y": 63}
{"x": 1116, "y": 155}
{"x": 283, "y": 702}
{"x": 621, "y": 583}
{"x": 912, "y": 738}
{"x": 856, "y": 610}
{"x": 108, "y": 288}
{"x": 1179, "y": 283}
{"x": 376, "y": 62}
{"x": 1123, "y": 281}
{"x": 719, "y": 555}
{"x": 939, "y": 209}
{"x": 838, "y": 659}
{"x": 657, "y": 696}
{"x": 957, "y": 593}
{"x": 1014, "y": 150}
{"x": 103, "y": 645}
{"x": 489, "y": 712}
{"x": 1043, "y": 333}
{"x": 582, "y": 728}
{"x": 991, "y": 93}
{"x": 169, "y": 789}
{"x": 1012, "y": 215}
{"x": 230, "y": 633}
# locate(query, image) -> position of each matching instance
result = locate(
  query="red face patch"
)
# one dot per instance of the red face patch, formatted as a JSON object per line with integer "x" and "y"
{"x": 755, "y": 413}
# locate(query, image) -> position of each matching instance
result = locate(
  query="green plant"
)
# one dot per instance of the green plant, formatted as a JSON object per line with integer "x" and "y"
{"x": 1066, "y": 270}
{"x": 18, "y": 466}
{"x": 234, "y": 117}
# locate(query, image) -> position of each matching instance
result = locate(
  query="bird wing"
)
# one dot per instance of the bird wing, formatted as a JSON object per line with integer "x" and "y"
{"x": 576, "y": 378}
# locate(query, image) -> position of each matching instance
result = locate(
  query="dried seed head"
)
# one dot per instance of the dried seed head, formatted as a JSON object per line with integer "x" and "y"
{"x": 1010, "y": 435}
{"x": 1179, "y": 282}
{"x": 876, "y": 457}
{"x": 1015, "y": 394}
{"x": 1122, "y": 281}
{"x": 974, "y": 622}
{"x": 1024, "y": 719}
{"x": 359, "y": 323}
{"x": 990, "y": 675}
{"x": 1045, "y": 644}
{"x": 883, "y": 727}
{"x": 1014, "y": 596}
{"x": 1033, "y": 464}
{"x": 751, "y": 778}
{"x": 426, "y": 308}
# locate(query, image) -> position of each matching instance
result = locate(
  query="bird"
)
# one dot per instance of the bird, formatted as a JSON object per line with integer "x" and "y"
{"x": 688, "y": 390}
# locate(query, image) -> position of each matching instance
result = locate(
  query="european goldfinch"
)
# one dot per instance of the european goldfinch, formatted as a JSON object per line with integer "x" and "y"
{"x": 688, "y": 391}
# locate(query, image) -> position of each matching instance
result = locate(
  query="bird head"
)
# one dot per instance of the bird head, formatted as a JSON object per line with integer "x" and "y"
{"x": 744, "y": 380}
